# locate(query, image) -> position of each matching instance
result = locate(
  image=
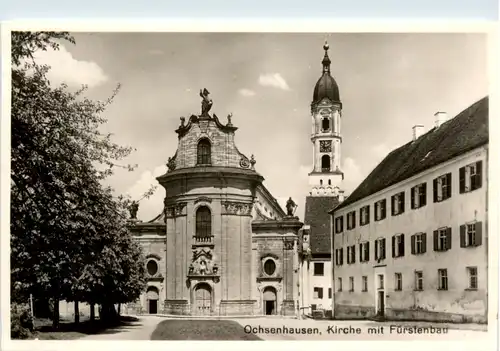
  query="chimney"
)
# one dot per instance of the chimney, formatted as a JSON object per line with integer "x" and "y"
{"x": 440, "y": 118}
{"x": 418, "y": 130}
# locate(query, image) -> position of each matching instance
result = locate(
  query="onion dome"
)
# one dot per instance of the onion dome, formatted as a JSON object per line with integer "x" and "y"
{"x": 326, "y": 87}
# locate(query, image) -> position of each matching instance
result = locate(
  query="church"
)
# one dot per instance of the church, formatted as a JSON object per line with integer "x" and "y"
{"x": 222, "y": 245}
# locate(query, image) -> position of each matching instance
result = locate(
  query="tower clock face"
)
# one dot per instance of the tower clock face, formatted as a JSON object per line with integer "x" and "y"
{"x": 325, "y": 146}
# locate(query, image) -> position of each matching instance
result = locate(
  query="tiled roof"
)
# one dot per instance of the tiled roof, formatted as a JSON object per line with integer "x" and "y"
{"x": 467, "y": 131}
{"x": 317, "y": 217}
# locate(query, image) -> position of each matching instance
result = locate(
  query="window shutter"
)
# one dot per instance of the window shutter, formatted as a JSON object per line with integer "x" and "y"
{"x": 354, "y": 219}
{"x": 341, "y": 256}
{"x": 435, "y": 240}
{"x": 376, "y": 249}
{"x": 402, "y": 202}
{"x": 479, "y": 174}
{"x": 479, "y": 234}
{"x": 402, "y": 248}
{"x": 375, "y": 208}
{"x": 448, "y": 188}
{"x": 360, "y": 252}
{"x": 368, "y": 214}
{"x": 353, "y": 256}
{"x": 368, "y": 251}
{"x": 393, "y": 198}
{"x": 394, "y": 246}
{"x": 413, "y": 243}
{"x": 383, "y": 248}
{"x": 448, "y": 238}
{"x": 435, "y": 189}
{"x": 424, "y": 242}
{"x": 383, "y": 204}
{"x": 424, "y": 190}
{"x": 461, "y": 175}
{"x": 412, "y": 192}
{"x": 462, "y": 235}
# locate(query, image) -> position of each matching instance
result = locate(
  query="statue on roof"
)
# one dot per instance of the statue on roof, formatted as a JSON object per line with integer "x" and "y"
{"x": 290, "y": 207}
{"x": 206, "y": 103}
{"x": 171, "y": 164}
{"x": 133, "y": 208}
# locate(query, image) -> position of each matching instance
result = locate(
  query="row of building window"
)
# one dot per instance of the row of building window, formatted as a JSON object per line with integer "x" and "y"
{"x": 470, "y": 236}
{"x": 470, "y": 179}
{"x": 472, "y": 279}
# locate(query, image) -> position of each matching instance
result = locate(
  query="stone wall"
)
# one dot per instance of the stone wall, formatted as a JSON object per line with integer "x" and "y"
{"x": 237, "y": 307}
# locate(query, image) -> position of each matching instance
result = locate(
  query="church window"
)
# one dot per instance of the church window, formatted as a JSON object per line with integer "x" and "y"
{"x": 269, "y": 267}
{"x": 203, "y": 223}
{"x": 204, "y": 152}
{"x": 152, "y": 267}
{"x": 325, "y": 124}
{"x": 325, "y": 163}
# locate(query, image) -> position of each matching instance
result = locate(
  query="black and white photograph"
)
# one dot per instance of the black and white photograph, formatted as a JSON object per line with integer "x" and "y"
{"x": 248, "y": 186}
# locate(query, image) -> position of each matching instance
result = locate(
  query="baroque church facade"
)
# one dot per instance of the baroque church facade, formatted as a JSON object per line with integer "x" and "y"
{"x": 325, "y": 181}
{"x": 222, "y": 244}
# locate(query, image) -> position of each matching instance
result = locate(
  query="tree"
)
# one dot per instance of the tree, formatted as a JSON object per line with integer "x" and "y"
{"x": 62, "y": 216}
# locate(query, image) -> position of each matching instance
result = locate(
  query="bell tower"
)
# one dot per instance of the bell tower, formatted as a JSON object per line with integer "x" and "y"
{"x": 326, "y": 176}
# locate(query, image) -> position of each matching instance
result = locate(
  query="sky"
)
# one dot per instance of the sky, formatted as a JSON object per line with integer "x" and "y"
{"x": 388, "y": 83}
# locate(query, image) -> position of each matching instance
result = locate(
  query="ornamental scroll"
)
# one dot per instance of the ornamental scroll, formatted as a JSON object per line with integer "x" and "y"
{"x": 175, "y": 210}
{"x": 288, "y": 245}
{"x": 237, "y": 208}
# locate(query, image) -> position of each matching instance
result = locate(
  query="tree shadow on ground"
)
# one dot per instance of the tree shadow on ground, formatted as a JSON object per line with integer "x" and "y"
{"x": 201, "y": 330}
{"x": 71, "y": 330}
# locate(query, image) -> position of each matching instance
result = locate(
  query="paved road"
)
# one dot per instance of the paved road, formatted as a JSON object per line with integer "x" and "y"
{"x": 140, "y": 330}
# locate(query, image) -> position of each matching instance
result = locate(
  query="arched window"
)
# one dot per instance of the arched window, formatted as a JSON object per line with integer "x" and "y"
{"x": 321, "y": 182}
{"x": 203, "y": 224}
{"x": 329, "y": 182}
{"x": 325, "y": 124}
{"x": 204, "y": 152}
{"x": 325, "y": 163}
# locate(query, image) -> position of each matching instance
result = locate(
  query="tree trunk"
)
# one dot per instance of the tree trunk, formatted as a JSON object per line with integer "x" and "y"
{"x": 108, "y": 313}
{"x": 77, "y": 312}
{"x": 92, "y": 312}
{"x": 119, "y": 308}
{"x": 55, "y": 319}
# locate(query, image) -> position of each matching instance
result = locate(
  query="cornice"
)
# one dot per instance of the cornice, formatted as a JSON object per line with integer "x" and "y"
{"x": 210, "y": 172}
{"x": 286, "y": 223}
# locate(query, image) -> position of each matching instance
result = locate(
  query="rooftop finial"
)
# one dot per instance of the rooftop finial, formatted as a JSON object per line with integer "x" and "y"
{"x": 326, "y": 60}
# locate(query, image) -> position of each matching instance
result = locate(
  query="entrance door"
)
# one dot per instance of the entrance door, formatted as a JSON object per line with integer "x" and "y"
{"x": 381, "y": 303}
{"x": 270, "y": 308}
{"x": 380, "y": 295}
{"x": 153, "y": 306}
{"x": 153, "y": 298}
{"x": 203, "y": 299}
{"x": 269, "y": 301}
